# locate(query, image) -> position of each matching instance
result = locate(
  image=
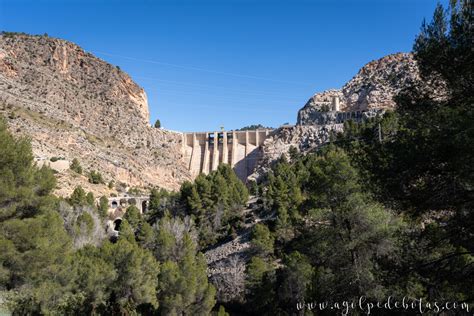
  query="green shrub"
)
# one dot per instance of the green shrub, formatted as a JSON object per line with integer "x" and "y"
{"x": 262, "y": 240}
{"x": 78, "y": 197}
{"x": 95, "y": 177}
{"x": 76, "y": 166}
{"x": 90, "y": 199}
{"x": 135, "y": 191}
{"x": 103, "y": 207}
{"x": 85, "y": 219}
{"x": 157, "y": 124}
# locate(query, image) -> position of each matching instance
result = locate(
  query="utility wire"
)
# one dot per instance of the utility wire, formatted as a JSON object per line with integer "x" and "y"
{"x": 181, "y": 83}
{"x": 202, "y": 69}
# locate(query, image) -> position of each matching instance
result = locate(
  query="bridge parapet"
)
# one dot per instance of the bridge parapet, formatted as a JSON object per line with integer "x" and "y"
{"x": 118, "y": 205}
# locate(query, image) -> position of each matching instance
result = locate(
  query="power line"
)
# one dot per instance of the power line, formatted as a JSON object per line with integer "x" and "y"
{"x": 241, "y": 109}
{"x": 233, "y": 99}
{"x": 202, "y": 69}
{"x": 181, "y": 83}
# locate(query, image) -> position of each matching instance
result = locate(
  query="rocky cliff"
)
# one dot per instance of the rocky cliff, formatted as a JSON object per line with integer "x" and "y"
{"x": 370, "y": 91}
{"x": 74, "y": 105}
{"x": 304, "y": 138}
{"x": 373, "y": 87}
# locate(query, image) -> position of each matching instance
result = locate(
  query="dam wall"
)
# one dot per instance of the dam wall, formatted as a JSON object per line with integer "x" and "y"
{"x": 203, "y": 152}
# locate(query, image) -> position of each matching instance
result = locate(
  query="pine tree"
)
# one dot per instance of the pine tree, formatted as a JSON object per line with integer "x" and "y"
{"x": 297, "y": 278}
{"x": 103, "y": 207}
{"x": 90, "y": 199}
{"x": 183, "y": 286}
{"x": 194, "y": 201}
{"x": 24, "y": 189}
{"x": 155, "y": 200}
{"x": 95, "y": 177}
{"x": 93, "y": 276}
{"x": 78, "y": 197}
{"x": 355, "y": 231}
{"x": 137, "y": 273}
{"x": 76, "y": 166}
{"x": 157, "y": 124}
{"x": 262, "y": 240}
{"x": 133, "y": 217}
{"x": 222, "y": 312}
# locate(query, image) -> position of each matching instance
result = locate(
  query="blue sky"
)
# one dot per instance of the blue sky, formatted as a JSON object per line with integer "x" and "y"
{"x": 206, "y": 64}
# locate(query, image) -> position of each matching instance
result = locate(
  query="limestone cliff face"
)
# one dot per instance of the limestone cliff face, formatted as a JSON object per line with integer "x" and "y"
{"x": 374, "y": 86}
{"x": 304, "y": 138}
{"x": 370, "y": 91}
{"x": 74, "y": 105}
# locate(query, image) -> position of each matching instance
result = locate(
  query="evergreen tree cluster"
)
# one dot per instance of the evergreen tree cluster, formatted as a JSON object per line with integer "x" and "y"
{"x": 385, "y": 210}
{"x": 56, "y": 258}
{"x": 378, "y": 216}
{"x": 215, "y": 201}
{"x": 330, "y": 234}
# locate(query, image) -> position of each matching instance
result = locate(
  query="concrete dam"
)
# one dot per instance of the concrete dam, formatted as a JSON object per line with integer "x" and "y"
{"x": 204, "y": 151}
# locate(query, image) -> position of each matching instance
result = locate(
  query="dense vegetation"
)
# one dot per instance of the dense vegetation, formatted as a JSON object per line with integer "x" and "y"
{"x": 57, "y": 257}
{"x": 215, "y": 200}
{"x": 375, "y": 217}
{"x": 363, "y": 216}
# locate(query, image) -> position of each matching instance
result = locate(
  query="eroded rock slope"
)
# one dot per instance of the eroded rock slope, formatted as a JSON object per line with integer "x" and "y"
{"x": 373, "y": 87}
{"x": 75, "y": 105}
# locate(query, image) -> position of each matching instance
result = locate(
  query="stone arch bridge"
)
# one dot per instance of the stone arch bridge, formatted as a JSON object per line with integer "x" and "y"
{"x": 118, "y": 206}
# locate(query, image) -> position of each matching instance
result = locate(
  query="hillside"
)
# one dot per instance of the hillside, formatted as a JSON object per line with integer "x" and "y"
{"x": 75, "y": 105}
{"x": 374, "y": 86}
{"x": 371, "y": 91}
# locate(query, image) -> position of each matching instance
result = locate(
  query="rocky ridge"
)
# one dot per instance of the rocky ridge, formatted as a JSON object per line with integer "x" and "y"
{"x": 303, "y": 138}
{"x": 75, "y": 105}
{"x": 369, "y": 93}
{"x": 373, "y": 87}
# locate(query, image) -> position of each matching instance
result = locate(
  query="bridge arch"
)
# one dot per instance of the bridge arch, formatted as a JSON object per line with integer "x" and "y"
{"x": 117, "y": 222}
